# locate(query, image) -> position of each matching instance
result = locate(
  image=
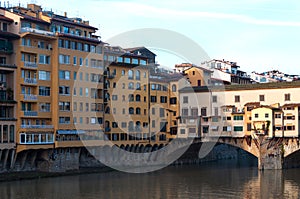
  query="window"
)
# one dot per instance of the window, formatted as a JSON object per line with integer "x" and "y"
{"x": 75, "y": 75}
{"x": 266, "y": 115}
{"x": 137, "y": 98}
{"x": 185, "y": 99}
{"x": 236, "y": 98}
{"x": 64, "y": 59}
{"x": 131, "y": 85}
{"x": 114, "y": 97}
{"x": 123, "y": 72}
{"x": 44, "y": 107}
{"x": 162, "y": 112}
{"x": 227, "y": 128}
{"x": 138, "y": 86}
{"x": 277, "y": 115}
{"x": 138, "y": 111}
{"x": 153, "y": 86}
{"x": 182, "y": 131}
{"x": 203, "y": 112}
{"x": 86, "y": 92}
{"x": 74, "y": 60}
{"x": 127, "y": 60}
{"x": 114, "y": 124}
{"x": 214, "y": 98}
{"x": 173, "y": 100}
{"x": 44, "y": 75}
{"x": 130, "y": 74}
{"x": 64, "y": 90}
{"x": 153, "y": 123}
{"x": 44, "y": 59}
{"x": 64, "y": 75}
{"x": 163, "y": 99}
{"x": 256, "y": 115}
{"x": 216, "y": 110}
{"x": 137, "y": 75}
{"x": 287, "y": 97}
{"x": 194, "y": 112}
{"x": 153, "y": 111}
{"x": 238, "y": 117}
{"x": 44, "y": 91}
{"x": 74, "y": 106}
{"x": 261, "y": 98}
{"x": 174, "y": 88}
{"x": 131, "y": 110}
{"x": 64, "y": 106}
{"x": 153, "y": 99}
{"x": 238, "y": 128}
{"x": 80, "y": 61}
{"x": 185, "y": 112}
{"x": 64, "y": 120}
{"x": 214, "y": 119}
{"x": 130, "y": 97}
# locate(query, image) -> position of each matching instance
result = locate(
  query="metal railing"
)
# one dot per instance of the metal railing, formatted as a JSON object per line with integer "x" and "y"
{"x": 29, "y": 126}
{"x": 33, "y": 30}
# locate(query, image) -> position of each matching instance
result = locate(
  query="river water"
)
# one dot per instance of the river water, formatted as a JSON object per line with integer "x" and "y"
{"x": 223, "y": 179}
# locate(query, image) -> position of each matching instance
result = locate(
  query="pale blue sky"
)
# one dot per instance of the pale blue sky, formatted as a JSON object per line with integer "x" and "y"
{"x": 259, "y": 34}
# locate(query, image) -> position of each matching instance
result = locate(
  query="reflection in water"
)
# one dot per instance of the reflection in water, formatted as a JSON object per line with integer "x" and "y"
{"x": 225, "y": 179}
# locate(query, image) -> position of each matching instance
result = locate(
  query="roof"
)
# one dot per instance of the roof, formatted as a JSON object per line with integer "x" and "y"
{"x": 73, "y": 23}
{"x": 192, "y": 66}
{"x": 252, "y": 103}
{"x": 3, "y": 18}
{"x": 291, "y": 104}
{"x": 240, "y": 87}
{"x": 138, "y": 48}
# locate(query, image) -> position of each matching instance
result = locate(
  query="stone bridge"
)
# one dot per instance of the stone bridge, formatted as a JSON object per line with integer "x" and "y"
{"x": 272, "y": 153}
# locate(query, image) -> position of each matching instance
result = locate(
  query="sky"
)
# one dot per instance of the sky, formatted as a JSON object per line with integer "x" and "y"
{"x": 259, "y": 35}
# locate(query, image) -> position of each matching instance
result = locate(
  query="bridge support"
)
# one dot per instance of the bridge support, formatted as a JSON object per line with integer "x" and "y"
{"x": 270, "y": 161}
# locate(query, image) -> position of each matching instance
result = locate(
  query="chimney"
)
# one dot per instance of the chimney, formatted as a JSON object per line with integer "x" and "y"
{"x": 65, "y": 14}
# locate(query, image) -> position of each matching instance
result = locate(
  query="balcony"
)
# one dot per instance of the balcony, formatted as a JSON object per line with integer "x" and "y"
{"x": 25, "y": 126}
{"x": 40, "y": 32}
{"x": 30, "y": 97}
{"x": 30, "y": 113}
{"x": 30, "y": 81}
{"x": 6, "y": 96}
{"x": 6, "y": 46}
{"x": 30, "y": 65}
{"x": 7, "y": 65}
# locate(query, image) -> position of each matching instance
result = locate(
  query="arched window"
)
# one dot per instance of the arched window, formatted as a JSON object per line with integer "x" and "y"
{"x": 123, "y": 72}
{"x": 138, "y": 111}
{"x": 123, "y": 86}
{"x": 138, "y": 126}
{"x": 174, "y": 88}
{"x": 107, "y": 110}
{"x": 138, "y": 86}
{"x": 130, "y": 98}
{"x": 137, "y": 75}
{"x": 130, "y": 74}
{"x": 131, "y": 85}
{"x": 131, "y": 110}
{"x": 137, "y": 98}
{"x": 107, "y": 124}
